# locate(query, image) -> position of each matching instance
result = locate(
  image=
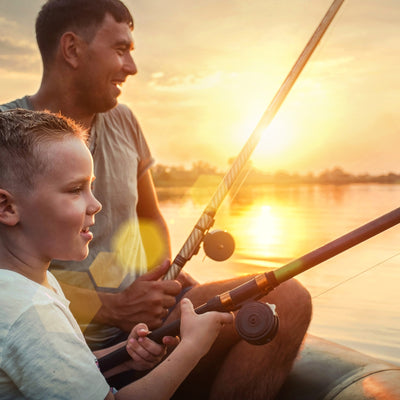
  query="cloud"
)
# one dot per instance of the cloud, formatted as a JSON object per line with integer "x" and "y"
{"x": 9, "y": 46}
{"x": 18, "y": 51}
{"x": 18, "y": 56}
{"x": 189, "y": 82}
{"x": 7, "y": 25}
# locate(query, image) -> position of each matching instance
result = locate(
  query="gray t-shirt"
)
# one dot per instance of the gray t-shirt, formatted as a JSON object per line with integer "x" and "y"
{"x": 43, "y": 354}
{"x": 116, "y": 257}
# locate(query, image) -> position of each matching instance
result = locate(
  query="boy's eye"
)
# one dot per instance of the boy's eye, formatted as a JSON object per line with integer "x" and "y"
{"x": 77, "y": 189}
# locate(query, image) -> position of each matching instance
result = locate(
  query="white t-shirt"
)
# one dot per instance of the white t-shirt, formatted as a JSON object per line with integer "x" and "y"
{"x": 43, "y": 354}
{"x": 117, "y": 256}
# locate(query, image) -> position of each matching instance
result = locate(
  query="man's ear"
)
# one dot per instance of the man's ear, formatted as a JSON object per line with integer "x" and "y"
{"x": 70, "y": 47}
{"x": 8, "y": 209}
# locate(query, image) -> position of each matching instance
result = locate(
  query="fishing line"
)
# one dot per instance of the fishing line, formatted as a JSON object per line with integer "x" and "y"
{"x": 356, "y": 275}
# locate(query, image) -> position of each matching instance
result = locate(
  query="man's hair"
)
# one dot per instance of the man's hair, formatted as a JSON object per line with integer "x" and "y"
{"x": 22, "y": 134}
{"x": 80, "y": 16}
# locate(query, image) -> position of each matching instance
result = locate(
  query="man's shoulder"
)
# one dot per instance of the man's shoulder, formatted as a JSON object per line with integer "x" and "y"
{"x": 23, "y": 102}
{"x": 120, "y": 116}
{"x": 120, "y": 111}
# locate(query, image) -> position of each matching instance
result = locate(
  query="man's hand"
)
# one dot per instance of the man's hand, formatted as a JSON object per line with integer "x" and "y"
{"x": 185, "y": 279}
{"x": 146, "y": 300}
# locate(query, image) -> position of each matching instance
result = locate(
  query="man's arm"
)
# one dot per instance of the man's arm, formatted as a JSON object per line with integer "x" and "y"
{"x": 148, "y": 208}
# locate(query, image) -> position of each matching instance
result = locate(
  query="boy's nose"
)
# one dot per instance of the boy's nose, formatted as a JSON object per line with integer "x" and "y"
{"x": 95, "y": 207}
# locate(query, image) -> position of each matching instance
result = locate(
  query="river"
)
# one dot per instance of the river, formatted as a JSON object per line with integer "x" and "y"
{"x": 356, "y": 296}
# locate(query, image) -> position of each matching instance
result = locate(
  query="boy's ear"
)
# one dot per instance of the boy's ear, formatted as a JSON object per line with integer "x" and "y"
{"x": 70, "y": 47}
{"x": 8, "y": 209}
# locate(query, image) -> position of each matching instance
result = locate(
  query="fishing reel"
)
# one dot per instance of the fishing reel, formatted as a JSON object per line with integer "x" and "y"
{"x": 257, "y": 322}
{"x": 218, "y": 245}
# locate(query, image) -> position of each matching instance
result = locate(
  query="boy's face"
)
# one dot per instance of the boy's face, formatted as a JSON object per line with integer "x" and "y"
{"x": 56, "y": 215}
{"x": 105, "y": 64}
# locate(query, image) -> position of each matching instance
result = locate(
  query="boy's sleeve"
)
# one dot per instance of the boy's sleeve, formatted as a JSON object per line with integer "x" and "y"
{"x": 45, "y": 358}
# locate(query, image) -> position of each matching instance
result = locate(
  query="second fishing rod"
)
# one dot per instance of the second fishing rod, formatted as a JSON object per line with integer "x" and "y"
{"x": 259, "y": 321}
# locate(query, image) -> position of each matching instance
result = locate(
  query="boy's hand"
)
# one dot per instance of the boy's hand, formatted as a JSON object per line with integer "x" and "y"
{"x": 144, "y": 352}
{"x": 200, "y": 331}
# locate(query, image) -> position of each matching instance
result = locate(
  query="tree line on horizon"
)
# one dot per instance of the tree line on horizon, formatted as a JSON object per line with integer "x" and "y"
{"x": 164, "y": 175}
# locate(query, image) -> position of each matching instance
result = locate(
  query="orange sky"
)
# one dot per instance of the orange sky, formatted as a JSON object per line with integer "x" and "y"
{"x": 208, "y": 69}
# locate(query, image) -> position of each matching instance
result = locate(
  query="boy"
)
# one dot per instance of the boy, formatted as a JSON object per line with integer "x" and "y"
{"x": 46, "y": 211}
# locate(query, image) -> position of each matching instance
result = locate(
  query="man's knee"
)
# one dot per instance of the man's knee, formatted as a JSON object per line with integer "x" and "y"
{"x": 298, "y": 292}
{"x": 294, "y": 308}
{"x": 291, "y": 297}
{"x": 291, "y": 293}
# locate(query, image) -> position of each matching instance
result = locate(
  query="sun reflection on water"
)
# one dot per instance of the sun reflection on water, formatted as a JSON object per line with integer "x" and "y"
{"x": 274, "y": 225}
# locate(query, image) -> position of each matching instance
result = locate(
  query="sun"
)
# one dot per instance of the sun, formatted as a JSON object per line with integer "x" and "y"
{"x": 277, "y": 137}
{"x": 276, "y": 143}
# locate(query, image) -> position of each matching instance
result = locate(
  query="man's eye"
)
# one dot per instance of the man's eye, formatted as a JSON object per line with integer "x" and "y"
{"x": 77, "y": 189}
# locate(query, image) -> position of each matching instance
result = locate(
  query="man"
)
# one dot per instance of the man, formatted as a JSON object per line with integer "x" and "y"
{"x": 86, "y": 51}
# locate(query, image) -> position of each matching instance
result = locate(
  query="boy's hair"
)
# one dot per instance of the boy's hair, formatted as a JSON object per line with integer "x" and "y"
{"x": 22, "y": 133}
{"x": 80, "y": 16}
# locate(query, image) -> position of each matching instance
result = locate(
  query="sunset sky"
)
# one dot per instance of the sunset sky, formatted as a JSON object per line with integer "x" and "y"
{"x": 209, "y": 68}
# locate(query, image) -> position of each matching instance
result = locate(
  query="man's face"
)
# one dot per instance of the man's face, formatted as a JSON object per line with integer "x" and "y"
{"x": 105, "y": 64}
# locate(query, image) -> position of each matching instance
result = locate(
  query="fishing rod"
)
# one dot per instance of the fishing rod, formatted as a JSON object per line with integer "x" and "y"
{"x": 225, "y": 247}
{"x": 257, "y": 322}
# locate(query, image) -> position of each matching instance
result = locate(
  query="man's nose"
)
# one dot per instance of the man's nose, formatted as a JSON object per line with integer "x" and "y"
{"x": 130, "y": 65}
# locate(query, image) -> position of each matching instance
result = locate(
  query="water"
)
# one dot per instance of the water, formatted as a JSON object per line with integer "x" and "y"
{"x": 356, "y": 295}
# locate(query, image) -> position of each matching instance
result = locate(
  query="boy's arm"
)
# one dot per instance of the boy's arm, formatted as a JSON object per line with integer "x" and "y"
{"x": 163, "y": 380}
{"x": 198, "y": 333}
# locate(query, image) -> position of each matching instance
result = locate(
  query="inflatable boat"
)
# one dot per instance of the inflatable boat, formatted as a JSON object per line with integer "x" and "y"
{"x": 325, "y": 371}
